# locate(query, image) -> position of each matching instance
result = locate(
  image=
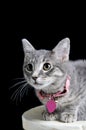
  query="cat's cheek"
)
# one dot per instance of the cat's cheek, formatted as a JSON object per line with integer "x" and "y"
{"x": 43, "y": 80}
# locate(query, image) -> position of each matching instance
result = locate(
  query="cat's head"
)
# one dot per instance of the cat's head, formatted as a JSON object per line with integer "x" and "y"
{"x": 43, "y": 68}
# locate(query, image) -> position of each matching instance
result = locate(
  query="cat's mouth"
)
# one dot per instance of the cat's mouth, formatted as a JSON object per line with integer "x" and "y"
{"x": 42, "y": 94}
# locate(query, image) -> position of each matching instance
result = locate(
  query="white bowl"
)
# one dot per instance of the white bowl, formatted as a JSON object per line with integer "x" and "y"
{"x": 32, "y": 120}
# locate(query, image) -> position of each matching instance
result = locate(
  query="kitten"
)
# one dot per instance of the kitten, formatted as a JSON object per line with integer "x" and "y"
{"x": 60, "y": 84}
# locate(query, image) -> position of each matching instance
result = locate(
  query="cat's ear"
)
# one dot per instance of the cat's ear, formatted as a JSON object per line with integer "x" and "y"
{"x": 27, "y": 47}
{"x": 62, "y": 50}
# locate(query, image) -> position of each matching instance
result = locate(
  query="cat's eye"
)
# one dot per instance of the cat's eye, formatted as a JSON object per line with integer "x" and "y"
{"x": 29, "y": 67}
{"x": 47, "y": 66}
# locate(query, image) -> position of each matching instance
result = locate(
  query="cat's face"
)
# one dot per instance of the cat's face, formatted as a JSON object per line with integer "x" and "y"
{"x": 43, "y": 68}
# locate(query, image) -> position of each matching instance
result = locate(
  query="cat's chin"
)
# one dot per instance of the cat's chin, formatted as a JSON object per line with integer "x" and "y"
{"x": 39, "y": 86}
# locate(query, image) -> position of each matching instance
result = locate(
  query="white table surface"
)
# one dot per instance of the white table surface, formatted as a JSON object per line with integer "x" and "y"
{"x": 32, "y": 120}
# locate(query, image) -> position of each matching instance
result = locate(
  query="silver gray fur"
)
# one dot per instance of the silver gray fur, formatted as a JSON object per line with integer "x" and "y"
{"x": 72, "y": 106}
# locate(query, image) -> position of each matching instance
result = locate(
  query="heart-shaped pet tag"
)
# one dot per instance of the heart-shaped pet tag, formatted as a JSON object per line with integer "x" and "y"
{"x": 51, "y": 106}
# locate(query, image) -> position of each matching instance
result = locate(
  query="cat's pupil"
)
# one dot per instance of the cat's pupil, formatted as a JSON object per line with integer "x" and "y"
{"x": 46, "y": 66}
{"x": 29, "y": 67}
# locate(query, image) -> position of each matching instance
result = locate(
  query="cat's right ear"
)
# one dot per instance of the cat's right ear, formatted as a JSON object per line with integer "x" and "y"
{"x": 27, "y": 47}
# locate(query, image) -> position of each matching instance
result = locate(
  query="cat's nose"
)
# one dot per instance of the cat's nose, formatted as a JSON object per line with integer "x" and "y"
{"x": 34, "y": 77}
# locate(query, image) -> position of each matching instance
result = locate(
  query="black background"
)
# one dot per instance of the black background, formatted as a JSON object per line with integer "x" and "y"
{"x": 44, "y": 25}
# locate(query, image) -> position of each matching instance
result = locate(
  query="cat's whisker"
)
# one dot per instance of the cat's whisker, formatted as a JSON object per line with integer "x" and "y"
{"x": 16, "y": 93}
{"x": 23, "y": 90}
{"x": 18, "y": 78}
{"x": 18, "y": 83}
{"x": 20, "y": 91}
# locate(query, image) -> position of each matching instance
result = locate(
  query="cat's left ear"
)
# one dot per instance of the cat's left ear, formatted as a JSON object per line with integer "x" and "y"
{"x": 62, "y": 50}
{"x": 27, "y": 47}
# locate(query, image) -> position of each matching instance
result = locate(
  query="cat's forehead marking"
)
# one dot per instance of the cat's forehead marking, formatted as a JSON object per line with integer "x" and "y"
{"x": 41, "y": 55}
{"x": 38, "y": 56}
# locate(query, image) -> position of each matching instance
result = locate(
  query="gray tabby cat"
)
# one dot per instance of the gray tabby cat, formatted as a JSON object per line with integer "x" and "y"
{"x": 59, "y": 83}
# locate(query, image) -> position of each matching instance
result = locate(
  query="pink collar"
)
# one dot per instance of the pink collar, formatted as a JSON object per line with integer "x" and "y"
{"x": 43, "y": 95}
{"x": 51, "y": 103}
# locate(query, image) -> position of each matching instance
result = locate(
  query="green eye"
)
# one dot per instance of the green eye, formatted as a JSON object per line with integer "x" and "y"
{"x": 29, "y": 67}
{"x": 47, "y": 66}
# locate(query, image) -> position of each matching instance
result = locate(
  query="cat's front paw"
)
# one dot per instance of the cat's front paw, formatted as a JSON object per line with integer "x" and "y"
{"x": 68, "y": 117}
{"x": 49, "y": 116}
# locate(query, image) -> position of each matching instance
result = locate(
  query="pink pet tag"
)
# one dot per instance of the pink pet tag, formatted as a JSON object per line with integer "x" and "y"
{"x": 51, "y": 106}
